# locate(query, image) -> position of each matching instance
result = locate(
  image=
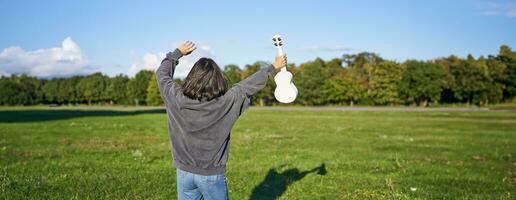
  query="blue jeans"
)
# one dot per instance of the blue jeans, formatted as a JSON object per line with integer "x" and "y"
{"x": 194, "y": 186}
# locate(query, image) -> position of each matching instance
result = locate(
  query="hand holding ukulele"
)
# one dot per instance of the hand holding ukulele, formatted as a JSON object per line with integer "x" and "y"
{"x": 280, "y": 61}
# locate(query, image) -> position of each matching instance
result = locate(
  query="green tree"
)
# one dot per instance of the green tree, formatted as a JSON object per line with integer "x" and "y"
{"x": 72, "y": 89}
{"x": 421, "y": 82}
{"x": 508, "y": 57}
{"x": 232, "y": 73}
{"x": 497, "y": 77}
{"x": 310, "y": 79}
{"x": 385, "y": 80}
{"x": 333, "y": 67}
{"x": 30, "y": 89}
{"x": 346, "y": 87}
{"x": 137, "y": 87}
{"x": 51, "y": 90}
{"x": 12, "y": 92}
{"x": 470, "y": 81}
{"x": 117, "y": 89}
{"x": 363, "y": 64}
{"x": 93, "y": 87}
{"x": 153, "y": 95}
{"x": 68, "y": 90}
{"x": 447, "y": 94}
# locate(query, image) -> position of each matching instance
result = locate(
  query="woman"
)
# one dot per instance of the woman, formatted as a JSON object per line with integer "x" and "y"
{"x": 200, "y": 116}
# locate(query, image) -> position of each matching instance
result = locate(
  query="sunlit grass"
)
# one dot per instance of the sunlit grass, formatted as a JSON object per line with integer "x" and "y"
{"x": 60, "y": 153}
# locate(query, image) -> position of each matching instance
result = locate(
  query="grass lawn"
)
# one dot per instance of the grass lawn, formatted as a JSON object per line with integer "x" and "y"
{"x": 114, "y": 153}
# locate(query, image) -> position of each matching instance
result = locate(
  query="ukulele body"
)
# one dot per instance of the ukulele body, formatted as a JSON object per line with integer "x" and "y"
{"x": 286, "y": 91}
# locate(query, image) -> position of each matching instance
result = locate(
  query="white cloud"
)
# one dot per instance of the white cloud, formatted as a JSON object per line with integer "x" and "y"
{"x": 151, "y": 61}
{"x": 315, "y": 48}
{"x": 492, "y": 8}
{"x": 66, "y": 60}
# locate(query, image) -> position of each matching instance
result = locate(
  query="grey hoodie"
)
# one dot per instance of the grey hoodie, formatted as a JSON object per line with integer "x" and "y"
{"x": 200, "y": 130}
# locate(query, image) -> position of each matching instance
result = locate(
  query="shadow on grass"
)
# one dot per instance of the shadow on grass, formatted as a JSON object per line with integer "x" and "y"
{"x": 276, "y": 183}
{"x": 20, "y": 116}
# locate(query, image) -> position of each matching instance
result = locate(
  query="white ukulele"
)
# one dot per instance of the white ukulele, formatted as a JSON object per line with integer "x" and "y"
{"x": 286, "y": 91}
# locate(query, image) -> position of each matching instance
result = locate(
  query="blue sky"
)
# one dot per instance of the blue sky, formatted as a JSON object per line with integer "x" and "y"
{"x": 124, "y": 36}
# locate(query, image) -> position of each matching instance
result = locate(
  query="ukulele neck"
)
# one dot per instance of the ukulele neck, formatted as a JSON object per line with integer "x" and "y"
{"x": 280, "y": 50}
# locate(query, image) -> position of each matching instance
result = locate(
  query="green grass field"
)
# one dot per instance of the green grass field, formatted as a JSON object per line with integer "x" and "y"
{"x": 120, "y": 153}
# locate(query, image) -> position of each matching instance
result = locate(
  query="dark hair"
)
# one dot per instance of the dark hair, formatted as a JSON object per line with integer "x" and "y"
{"x": 205, "y": 81}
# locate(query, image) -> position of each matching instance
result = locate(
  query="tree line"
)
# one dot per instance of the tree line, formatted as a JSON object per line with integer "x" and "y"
{"x": 363, "y": 78}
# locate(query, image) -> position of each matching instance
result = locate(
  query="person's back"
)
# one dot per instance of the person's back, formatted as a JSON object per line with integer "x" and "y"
{"x": 201, "y": 114}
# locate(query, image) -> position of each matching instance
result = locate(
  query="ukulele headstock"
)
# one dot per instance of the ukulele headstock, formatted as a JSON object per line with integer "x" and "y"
{"x": 277, "y": 40}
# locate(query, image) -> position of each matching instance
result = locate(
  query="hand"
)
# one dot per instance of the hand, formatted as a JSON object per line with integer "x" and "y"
{"x": 186, "y": 48}
{"x": 280, "y": 61}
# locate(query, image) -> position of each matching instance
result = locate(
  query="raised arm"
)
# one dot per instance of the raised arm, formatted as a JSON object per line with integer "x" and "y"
{"x": 254, "y": 83}
{"x": 165, "y": 73}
